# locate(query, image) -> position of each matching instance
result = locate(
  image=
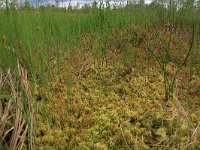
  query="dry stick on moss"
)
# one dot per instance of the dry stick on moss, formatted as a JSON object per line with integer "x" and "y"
{"x": 112, "y": 77}
{"x": 195, "y": 130}
{"x": 192, "y": 136}
{"x": 183, "y": 110}
{"x": 84, "y": 67}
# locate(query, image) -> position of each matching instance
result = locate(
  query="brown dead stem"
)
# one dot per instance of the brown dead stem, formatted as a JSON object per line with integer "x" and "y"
{"x": 14, "y": 111}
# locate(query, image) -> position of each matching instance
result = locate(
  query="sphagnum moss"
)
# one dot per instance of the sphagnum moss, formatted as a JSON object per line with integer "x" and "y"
{"x": 116, "y": 102}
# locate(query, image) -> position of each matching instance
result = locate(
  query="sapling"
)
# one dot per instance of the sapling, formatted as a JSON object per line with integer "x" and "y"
{"x": 169, "y": 82}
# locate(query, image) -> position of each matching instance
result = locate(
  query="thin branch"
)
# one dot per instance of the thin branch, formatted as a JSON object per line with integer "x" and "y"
{"x": 192, "y": 136}
{"x": 186, "y": 58}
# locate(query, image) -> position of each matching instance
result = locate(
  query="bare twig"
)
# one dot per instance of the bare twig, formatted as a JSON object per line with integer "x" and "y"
{"x": 191, "y": 140}
{"x": 183, "y": 110}
{"x": 84, "y": 67}
{"x": 192, "y": 137}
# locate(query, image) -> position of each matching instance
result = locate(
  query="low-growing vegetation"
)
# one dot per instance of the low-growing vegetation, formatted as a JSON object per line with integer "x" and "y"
{"x": 100, "y": 77}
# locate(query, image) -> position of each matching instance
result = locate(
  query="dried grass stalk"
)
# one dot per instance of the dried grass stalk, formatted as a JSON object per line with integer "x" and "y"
{"x": 18, "y": 110}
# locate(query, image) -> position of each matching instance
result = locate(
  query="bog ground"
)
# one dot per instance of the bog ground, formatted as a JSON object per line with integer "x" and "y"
{"x": 100, "y": 78}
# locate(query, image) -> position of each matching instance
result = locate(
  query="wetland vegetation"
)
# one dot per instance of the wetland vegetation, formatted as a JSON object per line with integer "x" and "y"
{"x": 100, "y": 77}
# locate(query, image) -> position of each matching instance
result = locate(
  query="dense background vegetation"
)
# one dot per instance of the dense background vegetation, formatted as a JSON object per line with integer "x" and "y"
{"x": 40, "y": 48}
